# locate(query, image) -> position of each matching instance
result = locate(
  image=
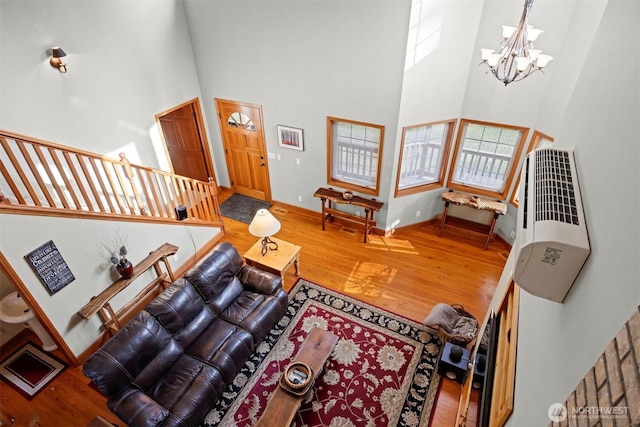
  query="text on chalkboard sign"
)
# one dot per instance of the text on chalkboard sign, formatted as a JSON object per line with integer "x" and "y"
{"x": 50, "y": 267}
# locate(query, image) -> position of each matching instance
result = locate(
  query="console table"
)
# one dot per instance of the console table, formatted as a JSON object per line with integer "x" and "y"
{"x": 113, "y": 320}
{"x": 328, "y": 209}
{"x": 496, "y": 206}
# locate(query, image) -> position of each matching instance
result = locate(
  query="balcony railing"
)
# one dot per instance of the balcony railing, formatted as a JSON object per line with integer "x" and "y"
{"x": 357, "y": 164}
{"x": 482, "y": 169}
{"x": 421, "y": 164}
{"x": 41, "y": 174}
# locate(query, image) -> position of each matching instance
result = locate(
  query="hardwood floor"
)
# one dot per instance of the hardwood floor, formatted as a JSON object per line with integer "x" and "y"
{"x": 406, "y": 273}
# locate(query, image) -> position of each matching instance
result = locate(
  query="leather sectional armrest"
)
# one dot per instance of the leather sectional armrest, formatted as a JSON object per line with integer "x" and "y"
{"x": 137, "y": 409}
{"x": 252, "y": 278}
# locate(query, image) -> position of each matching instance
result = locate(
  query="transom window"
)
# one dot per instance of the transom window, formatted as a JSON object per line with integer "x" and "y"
{"x": 423, "y": 154}
{"x": 355, "y": 154}
{"x": 485, "y": 157}
{"x": 240, "y": 120}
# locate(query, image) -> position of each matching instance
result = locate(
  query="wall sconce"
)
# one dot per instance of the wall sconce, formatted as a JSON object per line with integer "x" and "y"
{"x": 56, "y": 59}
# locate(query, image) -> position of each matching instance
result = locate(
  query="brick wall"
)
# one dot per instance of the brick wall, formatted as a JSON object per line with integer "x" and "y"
{"x": 609, "y": 395}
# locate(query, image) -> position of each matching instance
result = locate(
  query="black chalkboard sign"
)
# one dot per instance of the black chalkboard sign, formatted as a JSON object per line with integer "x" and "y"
{"x": 48, "y": 264}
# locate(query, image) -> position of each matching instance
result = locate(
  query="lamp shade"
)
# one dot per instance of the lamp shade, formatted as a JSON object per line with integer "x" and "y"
{"x": 264, "y": 224}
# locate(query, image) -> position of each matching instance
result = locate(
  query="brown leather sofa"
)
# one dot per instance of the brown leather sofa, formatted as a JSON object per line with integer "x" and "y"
{"x": 171, "y": 362}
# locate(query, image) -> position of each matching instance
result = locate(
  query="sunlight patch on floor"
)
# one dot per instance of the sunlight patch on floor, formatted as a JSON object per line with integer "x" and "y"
{"x": 369, "y": 278}
{"x": 390, "y": 244}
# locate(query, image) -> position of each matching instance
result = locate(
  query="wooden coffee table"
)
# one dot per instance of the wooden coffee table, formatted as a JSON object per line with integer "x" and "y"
{"x": 283, "y": 405}
{"x": 276, "y": 261}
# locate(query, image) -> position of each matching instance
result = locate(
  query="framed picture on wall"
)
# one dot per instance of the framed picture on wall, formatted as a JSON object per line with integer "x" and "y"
{"x": 289, "y": 137}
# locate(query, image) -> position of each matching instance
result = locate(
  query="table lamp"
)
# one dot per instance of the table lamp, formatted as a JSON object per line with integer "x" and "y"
{"x": 265, "y": 225}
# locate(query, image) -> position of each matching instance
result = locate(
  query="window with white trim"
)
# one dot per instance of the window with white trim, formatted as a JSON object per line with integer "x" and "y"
{"x": 423, "y": 156}
{"x": 485, "y": 157}
{"x": 355, "y": 154}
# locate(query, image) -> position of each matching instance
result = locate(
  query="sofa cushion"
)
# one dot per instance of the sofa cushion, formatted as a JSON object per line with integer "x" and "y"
{"x": 176, "y": 306}
{"x": 176, "y": 399}
{"x": 162, "y": 362}
{"x": 224, "y": 346}
{"x": 257, "y": 313}
{"x": 226, "y": 296}
{"x": 188, "y": 389}
{"x": 216, "y": 271}
{"x": 121, "y": 359}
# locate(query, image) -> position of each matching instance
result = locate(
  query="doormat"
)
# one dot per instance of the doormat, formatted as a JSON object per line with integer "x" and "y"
{"x": 242, "y": 208}
{"x": 382, "y": 372}
{"x": 29, "y": 370}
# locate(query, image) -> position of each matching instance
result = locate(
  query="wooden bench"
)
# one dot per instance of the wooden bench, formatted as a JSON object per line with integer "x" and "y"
{"x": 328, "y": 209}
{"x": 113, "y": 320}
{"x": 496, "y": 206}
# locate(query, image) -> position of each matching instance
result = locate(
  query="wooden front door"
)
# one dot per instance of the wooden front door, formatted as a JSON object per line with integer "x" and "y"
{"x": 242, "y": 134}
{"x": 184, "y": 137}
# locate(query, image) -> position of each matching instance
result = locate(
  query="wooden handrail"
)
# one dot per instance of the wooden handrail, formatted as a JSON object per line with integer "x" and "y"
{"x": 39, "y": 173}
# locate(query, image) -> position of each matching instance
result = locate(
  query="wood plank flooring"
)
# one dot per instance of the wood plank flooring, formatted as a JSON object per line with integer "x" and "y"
{"x": 406, "y": 273}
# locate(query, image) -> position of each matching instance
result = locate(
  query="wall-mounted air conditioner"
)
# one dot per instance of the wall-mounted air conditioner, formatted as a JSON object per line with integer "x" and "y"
{"x": 552, "y": 243}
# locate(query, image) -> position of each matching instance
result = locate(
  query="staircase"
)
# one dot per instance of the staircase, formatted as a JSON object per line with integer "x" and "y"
{"x": 42, "y": 178}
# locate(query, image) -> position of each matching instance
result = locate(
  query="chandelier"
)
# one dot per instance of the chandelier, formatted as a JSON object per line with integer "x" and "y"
{"x": 516, "y": 58}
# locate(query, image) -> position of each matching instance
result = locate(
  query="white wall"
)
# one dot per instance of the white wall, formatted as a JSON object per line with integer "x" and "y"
{"x": 428, "y": 97}
{"x": 302, "y": 61}
{"x": 127, "y": 61}
{"x": 559, "y": 343}
{"x": 80, "y": 243}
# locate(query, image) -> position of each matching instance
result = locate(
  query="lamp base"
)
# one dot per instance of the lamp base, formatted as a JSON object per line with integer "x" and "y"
{"x": 268, "y": 244}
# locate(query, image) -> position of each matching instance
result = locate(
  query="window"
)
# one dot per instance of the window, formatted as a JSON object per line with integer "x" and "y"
{"x": 538, "y": 140}
{"x": 485, "y": 157}
{"x": 355, "y": 154}
{"x": 424, "y": 151}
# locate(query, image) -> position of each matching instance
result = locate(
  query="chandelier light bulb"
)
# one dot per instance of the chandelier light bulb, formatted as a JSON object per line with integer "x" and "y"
{"x": 533, "y": 33}
{"x": 493, "y": 59}
{"x": 543, "y": 60}
{"x": 486, "y": 53}
{"x": 522, "y": 63}
{"x": 507, "y": 31}
{"x": 533, "y": 54}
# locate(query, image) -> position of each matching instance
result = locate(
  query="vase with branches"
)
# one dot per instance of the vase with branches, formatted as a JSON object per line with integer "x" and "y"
{"x": 118, "y": 256}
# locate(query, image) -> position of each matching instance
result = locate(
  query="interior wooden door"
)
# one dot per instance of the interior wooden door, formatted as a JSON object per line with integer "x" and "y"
{"x": 185, "y": 141}
{"x": 242, "y": 134}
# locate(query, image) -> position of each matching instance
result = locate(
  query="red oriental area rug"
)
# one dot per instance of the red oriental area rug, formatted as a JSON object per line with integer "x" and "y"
{"x": 30, "y": 369}
{"x": 381, "y": 372}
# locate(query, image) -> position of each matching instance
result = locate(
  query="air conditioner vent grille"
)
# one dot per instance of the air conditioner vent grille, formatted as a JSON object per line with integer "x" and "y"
{"x": 554, "y": 190}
